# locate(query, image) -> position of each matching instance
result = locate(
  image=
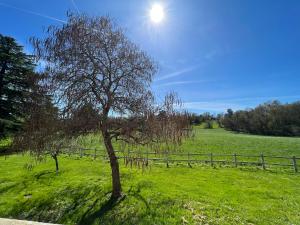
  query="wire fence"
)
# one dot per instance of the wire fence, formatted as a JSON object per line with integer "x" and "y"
{"x": 189, "y": 158}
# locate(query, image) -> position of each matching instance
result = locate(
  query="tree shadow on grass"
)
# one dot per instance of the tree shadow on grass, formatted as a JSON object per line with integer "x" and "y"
{"x": 7, "y": 187}
{"x": 43, "y": 173}
{"x": 136, "y": 194}
{"x": 107, "y": 206}
{"x": 73, "y": 203}
{"x": 110, "y": 204}
{"x": 58, "y": 205}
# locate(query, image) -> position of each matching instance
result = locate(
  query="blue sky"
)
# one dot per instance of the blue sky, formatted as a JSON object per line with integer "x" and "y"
{"x": 215, "y": 54}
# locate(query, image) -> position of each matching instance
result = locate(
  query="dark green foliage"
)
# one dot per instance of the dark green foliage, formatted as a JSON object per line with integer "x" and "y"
{"x": 206, "y": 120}
{"x": 83, "y": 119}
{"x": 41, "y": 127}
{"x": 271, "y": 118}
{"x": 201, "y": 118}
{"x": 15, "y": 69}
{"x": 43, "y": 130}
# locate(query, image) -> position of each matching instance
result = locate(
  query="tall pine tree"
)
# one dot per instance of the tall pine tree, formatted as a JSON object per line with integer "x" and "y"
{"x": 16, "y": 68}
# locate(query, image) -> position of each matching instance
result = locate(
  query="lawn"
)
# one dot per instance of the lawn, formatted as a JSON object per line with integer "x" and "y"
{"x": 157, "y": 195}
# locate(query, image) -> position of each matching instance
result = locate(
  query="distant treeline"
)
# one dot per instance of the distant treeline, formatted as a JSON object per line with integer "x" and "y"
{"x": 201, "y": 118}
{"x": 207, "y": 119}
{"x": 272, "y": 118}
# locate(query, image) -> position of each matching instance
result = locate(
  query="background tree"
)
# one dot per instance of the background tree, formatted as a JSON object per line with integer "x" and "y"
{"x": 15, "y": 69}
{"x": 43, "y": 131}
{"x": 209, "y": 124}
{"x": 82, "y": 120}
{"x": 271, "y": 118}
{"x": 219, "y": 118}
{"x": 206, "y": 119}
{"x": 91, "y": 60}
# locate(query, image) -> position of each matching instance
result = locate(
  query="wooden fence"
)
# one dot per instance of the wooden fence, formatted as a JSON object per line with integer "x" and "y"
{"x": 235, "y": 160}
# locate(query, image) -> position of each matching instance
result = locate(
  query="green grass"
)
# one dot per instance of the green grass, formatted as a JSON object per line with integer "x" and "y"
{"x": 202, "y": 125}
{"x": 4, "y": 144}
{"x": 157, "y": 195}
{"x": 221, "y": 141}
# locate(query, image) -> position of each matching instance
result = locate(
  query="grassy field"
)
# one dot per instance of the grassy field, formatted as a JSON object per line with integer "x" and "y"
{"x": 221, "y": 141}
{"x": 158, "y": 195}
{"x": 218, "y": 141}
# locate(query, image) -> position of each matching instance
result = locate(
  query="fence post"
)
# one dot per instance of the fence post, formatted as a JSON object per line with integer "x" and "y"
{"x": 147, "y": 162}
{"x": 295, "y": 164}
{"x": 129, "y": 157}
{"x": 211, "y": 159}
{"x": 80, "y": 152}
{"x": 189, "y": 161}
{"x": 167, "y": 159}
{"x": 95, "y": 153}
{"x": 263, "y": 161}
{"x": 124, "y": 158}
{"x": 235, "y": 160}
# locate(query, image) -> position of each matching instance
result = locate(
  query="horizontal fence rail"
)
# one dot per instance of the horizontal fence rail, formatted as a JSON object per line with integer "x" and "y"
{"x": 166, "y": 157}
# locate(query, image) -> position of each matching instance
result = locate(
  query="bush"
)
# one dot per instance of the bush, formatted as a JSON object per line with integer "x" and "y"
{"x": 208, "y": 124}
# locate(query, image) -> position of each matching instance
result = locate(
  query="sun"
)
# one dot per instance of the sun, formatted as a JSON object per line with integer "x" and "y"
{"x": 157, "y": 13}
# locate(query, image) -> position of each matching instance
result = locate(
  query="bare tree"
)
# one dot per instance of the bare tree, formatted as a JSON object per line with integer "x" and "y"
{"x": 89, "y": 59}
{"x": 42, "y": 132}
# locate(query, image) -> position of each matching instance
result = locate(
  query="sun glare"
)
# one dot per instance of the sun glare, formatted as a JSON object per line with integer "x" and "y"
{"x": 157, "y": 13}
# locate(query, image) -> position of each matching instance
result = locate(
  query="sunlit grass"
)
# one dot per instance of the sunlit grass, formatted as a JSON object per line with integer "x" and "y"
{"x": 5, "y": 143}
{"x": 219, "y": 141}
{"x": 157, "y": 195}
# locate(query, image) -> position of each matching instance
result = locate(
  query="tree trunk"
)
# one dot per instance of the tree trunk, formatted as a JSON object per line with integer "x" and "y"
{"x": 56, "y": 163}
{"x": 2, "y": 72}
{"x": 114, "y": 164}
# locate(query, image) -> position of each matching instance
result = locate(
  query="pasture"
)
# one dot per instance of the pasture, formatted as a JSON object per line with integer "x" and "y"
{"x": 79, "y": 194}
{"x": 221, "y": 141}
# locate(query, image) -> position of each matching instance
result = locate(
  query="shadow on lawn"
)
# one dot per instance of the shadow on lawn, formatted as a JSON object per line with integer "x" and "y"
{"x": 107, "y": 206}
{"x": 72, "y": 203}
